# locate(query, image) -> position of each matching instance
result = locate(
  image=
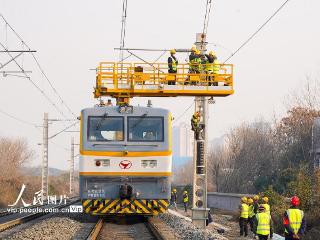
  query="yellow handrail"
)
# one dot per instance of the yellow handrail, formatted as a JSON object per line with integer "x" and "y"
{"x": 154, "y": 79}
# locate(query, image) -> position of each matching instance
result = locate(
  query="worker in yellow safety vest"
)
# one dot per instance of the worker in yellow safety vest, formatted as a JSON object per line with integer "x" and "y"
{"x": 263, "y": 224}
{"x": 185, "y": 200}
{"x": 265, "y": 203}
{"x": 251, "y": 213}
{"x": 172, "y": 65}
{"x": 294, "y": 221}
{"x": 212, "y": 67}
{"x": 243, "y": 219}
{"x": 195, "y": 124}
{"x": 194, "y": 60}
{"x": 255, "y": 203}
{"x": 173, "y": 200}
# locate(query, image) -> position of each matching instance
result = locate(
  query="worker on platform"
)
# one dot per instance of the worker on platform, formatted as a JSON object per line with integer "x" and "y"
{"x": 212, "y": 67}
{"x": 294, "y": 221}
{"x": 173, "y": 200}
{"x": 263, "y": 224}
{"x": 172, "y": 65}
{"x": 195, "y": 124}
{"x": 265, "y": 203}
{"x": 185, "y": 200}
{"x": 243, "y": 219}
{"x": 109, "y": 103}
{"x": 251, "y": 213}
{"x": 194, "y": 62}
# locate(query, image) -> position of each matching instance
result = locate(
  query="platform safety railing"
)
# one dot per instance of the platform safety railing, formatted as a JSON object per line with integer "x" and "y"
{"x": 119, "y": 76}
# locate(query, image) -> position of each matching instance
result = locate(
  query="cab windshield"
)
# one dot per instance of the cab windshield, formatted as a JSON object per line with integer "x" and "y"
{"x": 105, "y": 128}
{"x": 145, "y": 129}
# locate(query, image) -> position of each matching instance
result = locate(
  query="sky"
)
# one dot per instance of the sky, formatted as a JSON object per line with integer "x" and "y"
{"x": 71, "y": 37}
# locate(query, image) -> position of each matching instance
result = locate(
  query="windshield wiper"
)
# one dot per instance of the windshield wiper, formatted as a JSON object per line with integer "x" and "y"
{"x": 140, "y": 120}
{"x": 101, "y": 120}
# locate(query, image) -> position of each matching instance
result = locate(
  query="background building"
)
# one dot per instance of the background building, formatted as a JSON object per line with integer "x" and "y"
{"x": 182, "y": 144}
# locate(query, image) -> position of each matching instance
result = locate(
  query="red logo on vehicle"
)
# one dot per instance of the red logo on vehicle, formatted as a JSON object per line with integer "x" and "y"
{"x": 125, "y": 164}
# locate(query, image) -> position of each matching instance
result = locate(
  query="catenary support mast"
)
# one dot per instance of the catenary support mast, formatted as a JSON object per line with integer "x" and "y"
{"x": 71, "y": 190}
{"x": 199, "y": 208}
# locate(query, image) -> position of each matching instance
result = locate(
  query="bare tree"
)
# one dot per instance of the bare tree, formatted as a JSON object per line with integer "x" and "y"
{"x": 13, "y": 154}
{"x": 217, "y": 167}
{"x": 306, "y": 96}
{"x": 184, "y": 174}
{"x": 246, "y": 157}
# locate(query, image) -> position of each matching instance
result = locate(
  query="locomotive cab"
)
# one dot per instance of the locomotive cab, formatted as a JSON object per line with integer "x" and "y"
{"x": 125, "y": 160}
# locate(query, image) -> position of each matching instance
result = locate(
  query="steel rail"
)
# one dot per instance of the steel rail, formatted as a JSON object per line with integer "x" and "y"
{"x": 96, "y": 230}
{"x": 155, "y": 230}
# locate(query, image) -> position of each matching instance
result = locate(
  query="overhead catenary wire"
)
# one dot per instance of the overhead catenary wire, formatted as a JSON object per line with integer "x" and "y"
{"x": 182, "y": 114}
{"x": 123, "y": 27}
{"x": 39, "y": 66}
{"x": 31, "y": 124}
{"x": 63, "y": 130}
{"x": 207, "y": 17}
{"x": 151, "y": 64}
{"x": 34, "y": 84}
{"x": 159, "y": 57}
{"x": 18, "y": 119}
{"x": 257, "y": 31}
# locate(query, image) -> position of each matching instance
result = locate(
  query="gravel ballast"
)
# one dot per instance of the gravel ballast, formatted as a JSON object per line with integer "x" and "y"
{"x": 186, "y": 230}
{"x": 52, "y": 228}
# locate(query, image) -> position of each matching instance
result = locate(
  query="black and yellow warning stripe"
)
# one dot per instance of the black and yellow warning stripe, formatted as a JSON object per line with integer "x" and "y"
{"x": 125, "y": 206}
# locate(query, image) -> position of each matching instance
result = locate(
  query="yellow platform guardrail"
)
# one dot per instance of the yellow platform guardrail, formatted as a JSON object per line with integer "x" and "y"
{"x": 143, "y": 79}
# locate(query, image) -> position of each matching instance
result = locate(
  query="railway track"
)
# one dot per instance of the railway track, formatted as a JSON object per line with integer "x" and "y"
{"x": 12, "y": 219}
{"x": 140, "y": 228}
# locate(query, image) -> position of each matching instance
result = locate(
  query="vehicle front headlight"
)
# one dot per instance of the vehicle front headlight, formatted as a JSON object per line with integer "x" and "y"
{"x": 102, "y": 162}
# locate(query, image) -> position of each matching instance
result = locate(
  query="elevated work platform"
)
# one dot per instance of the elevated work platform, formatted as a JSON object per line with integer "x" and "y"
{"x": 153, "y": 80}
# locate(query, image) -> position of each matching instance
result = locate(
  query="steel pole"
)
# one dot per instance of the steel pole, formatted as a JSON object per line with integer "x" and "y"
{"x": 200, "y": 210}
{"x": 44, "y": 182}
{"x": 72, "y": 167}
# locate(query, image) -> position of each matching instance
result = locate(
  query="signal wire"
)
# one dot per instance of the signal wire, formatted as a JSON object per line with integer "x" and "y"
{"x": 39, "y": 66}
{"x": 257, "y": 31}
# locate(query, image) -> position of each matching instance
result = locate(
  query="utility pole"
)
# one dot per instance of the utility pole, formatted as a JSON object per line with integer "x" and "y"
{"x": 44, "y": 182}
{"x": 72, "y": 167}
{"x": 199, "y": 208}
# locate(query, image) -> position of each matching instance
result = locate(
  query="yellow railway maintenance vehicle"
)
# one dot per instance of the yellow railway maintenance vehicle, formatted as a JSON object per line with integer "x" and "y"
{"x": 126, "y": 151}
